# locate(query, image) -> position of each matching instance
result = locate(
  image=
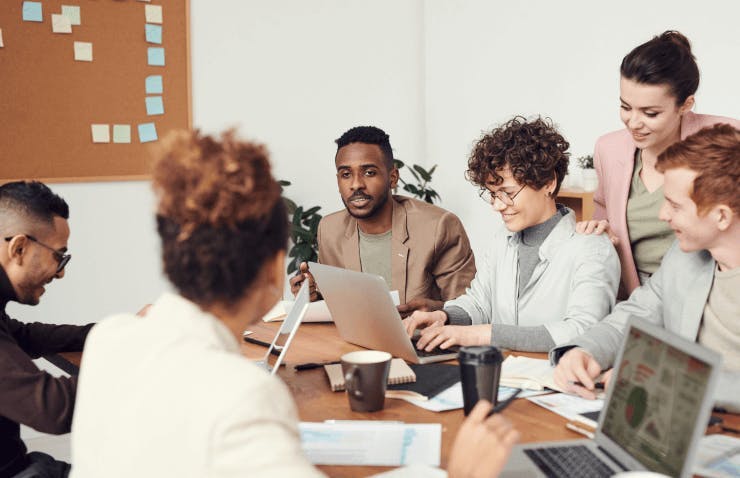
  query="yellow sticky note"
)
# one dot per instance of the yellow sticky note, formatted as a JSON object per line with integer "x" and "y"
{"x": 83, "y": 51}
{"x": 100, "y": 133}
{"x": 60, "y": 23}
{"x": 153, "y": 13}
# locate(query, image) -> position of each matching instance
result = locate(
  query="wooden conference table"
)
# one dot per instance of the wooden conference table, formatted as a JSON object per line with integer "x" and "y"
{"x": 316, "y": 402}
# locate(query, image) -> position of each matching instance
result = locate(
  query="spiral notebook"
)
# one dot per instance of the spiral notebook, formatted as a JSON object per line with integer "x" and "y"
{"x": 400, "y": 372}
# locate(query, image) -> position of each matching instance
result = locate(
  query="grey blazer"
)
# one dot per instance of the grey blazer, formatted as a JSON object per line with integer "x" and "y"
{"x": 673, "y": 298}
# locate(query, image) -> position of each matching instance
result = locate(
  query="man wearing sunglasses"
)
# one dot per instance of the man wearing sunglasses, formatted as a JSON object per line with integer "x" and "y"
{"x": 33, "y": 252}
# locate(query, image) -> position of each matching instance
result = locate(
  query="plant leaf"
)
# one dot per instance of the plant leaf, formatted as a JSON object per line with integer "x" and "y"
{"x": 422, "y": 172}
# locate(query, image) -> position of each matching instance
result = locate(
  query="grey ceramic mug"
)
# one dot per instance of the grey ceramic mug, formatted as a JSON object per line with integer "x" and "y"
{"x": 365, "y": 379}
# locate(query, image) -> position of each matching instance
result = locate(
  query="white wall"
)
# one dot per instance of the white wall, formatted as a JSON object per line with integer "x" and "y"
{"x": 295, "y": 74}
{"x": 487, "y": 61}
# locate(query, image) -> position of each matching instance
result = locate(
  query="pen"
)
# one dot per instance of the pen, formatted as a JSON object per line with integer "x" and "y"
{"x": 312, "y": 365}
{"x": 597, "y": 385}
{"x": 275, "y": 350}
{"x": 501, "y": 406}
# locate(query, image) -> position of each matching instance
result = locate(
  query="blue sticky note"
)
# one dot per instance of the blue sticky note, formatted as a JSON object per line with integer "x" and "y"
{"x": 154, "y": 85}
{"x": 147, "y": 132}
{"x": 32, "y": 12}
{"x": 155, "y": 56}
{"x": 153, "y": 33}
{"x": 154, "y": 105}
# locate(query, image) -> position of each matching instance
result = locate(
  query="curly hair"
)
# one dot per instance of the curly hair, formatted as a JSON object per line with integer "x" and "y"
{"x": 713, "y": 152}
{"x": 220, "y": 215}
{"x": 534, "y": 151}
{"x": 664, "y": 60}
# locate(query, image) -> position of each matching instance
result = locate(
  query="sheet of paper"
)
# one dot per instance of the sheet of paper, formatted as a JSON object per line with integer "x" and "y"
{"x": 83, "y": 51}
{"x": 73, "y": 13}
{"x": 60, "y": 23}
{"x": 147, "y": 132}
{"x": 452, "y": 398}
{"x": 121, "y": 133}
{"x": 32, "y": 12}
{"x": 100, "y": 133}
{"x": 154, "y": 105}
{"x": 718, "y": 456}
{"x": 153, "y": 13}
{"x": 153, "y": 85}
{"x": 153, "y": 33}
{"x": 368, "y": 442}
{"x": 569, "y": 406}
{"x": 50, "y": 368}
{"x": 317, "y": 311}
{"x": 155, "y": 56}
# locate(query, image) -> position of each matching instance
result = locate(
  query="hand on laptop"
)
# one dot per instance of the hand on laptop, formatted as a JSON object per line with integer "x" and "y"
{"x": 446, "y": 336}
{"x": 421, "y": 320}
{"x": 304, "y": 274}
{"x": 482, "y": 445}
{"x": 421, "y": 304}
{"x": 576, "y": 373}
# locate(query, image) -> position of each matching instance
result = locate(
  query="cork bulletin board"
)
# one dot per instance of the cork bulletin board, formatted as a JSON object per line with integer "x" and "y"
{"x": 88, "y": 87}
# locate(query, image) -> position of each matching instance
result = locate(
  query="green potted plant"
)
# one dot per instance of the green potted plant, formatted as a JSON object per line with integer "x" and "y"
{"x": 304, "y": 227}
{"x": 588, "y": 173}
{"x": 420, "y": 188}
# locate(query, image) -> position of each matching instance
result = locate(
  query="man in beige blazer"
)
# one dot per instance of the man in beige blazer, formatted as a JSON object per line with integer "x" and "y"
{"x": 421, "y": 250}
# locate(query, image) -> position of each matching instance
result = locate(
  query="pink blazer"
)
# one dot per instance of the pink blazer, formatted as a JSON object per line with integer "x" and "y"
{"x": 614, "y": 163}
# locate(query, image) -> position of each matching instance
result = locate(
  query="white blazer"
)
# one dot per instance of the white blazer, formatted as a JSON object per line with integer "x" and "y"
{"x": 170, "y": 395}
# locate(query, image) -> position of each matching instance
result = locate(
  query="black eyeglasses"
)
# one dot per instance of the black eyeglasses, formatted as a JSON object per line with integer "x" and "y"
{"x": 61, "y": 257}
{"x": 502, "y": 196}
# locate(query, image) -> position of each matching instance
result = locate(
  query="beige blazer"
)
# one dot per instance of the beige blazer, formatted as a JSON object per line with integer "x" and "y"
{"x": 430, "y": 251}
{"x": 614, "y": 161}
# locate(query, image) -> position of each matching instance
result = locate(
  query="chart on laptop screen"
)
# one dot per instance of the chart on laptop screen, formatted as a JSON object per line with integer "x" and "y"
{"x": 656, "y": 399}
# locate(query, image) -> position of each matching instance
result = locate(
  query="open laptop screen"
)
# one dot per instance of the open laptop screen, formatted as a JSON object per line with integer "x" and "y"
{"x": 653, "y": 409}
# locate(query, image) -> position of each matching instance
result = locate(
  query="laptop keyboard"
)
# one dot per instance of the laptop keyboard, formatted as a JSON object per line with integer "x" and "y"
{"x": 569, "y": 461}
{"x": 434, "y": 351}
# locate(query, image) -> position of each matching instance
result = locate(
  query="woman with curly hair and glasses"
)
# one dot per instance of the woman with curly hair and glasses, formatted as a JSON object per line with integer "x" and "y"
{"x": 540, "y": 284}
{"x": 170, "y": 394}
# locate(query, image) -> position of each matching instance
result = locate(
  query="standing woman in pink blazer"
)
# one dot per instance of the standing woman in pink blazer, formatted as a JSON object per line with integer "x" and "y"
{"x": 656, "y": 92}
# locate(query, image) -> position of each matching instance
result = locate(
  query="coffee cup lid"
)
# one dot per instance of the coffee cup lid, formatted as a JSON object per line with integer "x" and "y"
{"x": 481, "y": 353}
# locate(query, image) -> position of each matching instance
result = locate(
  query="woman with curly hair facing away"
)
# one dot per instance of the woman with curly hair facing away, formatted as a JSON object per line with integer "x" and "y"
{"x": 540, "y": 284}
{"x": 656, "y": 94}
{"x": 170, "y": 394}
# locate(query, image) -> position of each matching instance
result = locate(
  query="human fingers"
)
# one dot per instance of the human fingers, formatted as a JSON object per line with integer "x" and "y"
{"x": 303, "y": 267}
{"x": 601, "y": 227}
{"x": 444, "y": 334}
{"x": 581, "y": 227}
{"x": 427, "y": 335}
{"x": 479, "y": 411}
{"x": 607, "y": 378}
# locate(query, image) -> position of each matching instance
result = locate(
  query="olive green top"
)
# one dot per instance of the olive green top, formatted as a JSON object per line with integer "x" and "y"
{"x": 650, "y": 237}
{"x": 375, "y": 254}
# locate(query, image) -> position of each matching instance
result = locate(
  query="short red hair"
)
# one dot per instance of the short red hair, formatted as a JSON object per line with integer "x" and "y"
{"x": 713, "y": 152}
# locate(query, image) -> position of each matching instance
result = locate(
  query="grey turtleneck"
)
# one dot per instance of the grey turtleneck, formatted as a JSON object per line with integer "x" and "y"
{"x": 515, "y": 337}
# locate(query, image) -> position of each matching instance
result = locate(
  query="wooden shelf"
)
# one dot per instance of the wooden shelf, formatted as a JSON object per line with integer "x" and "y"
{"x": 580, "y": 200}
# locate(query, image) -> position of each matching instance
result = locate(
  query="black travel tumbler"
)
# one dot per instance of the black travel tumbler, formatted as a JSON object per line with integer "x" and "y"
{"x": 480, "y": 371}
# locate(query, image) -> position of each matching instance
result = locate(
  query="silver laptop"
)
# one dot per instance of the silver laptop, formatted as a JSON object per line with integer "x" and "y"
{"x": 655, "y": 413}
{"x": 364, "y": 314}
{"x": 287, "y": 330}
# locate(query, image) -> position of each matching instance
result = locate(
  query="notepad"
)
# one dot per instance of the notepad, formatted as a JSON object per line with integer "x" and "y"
{"x": 527, "y": 373}
{"x": 400, "y": 372}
